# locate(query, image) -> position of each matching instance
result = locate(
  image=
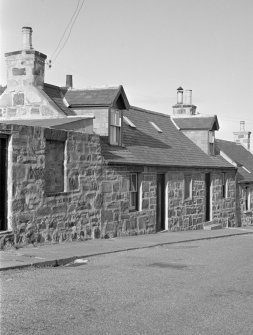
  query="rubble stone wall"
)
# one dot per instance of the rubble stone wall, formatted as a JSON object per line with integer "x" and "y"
{"x": 36, "y": 216}
{"x": 224, "y": 208}
{"x": 116, "y": 218}
{"x": 185, "y": 214}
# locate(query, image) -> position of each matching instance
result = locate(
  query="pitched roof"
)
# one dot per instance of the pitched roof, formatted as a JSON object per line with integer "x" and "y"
{"x": 145, "y": 145}
{"x": 56, "y": 94}
{"x": 49, "y": 122}
{"x": 197, "y": 122}
{"x": 96, "y": 96}
{"x": 241, "y": 156}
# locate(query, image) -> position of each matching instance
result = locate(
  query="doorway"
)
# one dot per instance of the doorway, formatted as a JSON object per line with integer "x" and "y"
{"x": 3, "y": 182}
{"x": 160, "y": 202}
{"x": 208, "y": 196}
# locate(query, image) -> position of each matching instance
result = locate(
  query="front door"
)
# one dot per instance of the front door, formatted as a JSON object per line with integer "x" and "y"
{"x": 3, "y": 183}
{"x": 208, "y": 192}
{"x": 160, "y": 202}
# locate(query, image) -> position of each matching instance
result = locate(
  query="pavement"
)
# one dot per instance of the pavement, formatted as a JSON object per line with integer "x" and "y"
{"x": 65, "y": 253}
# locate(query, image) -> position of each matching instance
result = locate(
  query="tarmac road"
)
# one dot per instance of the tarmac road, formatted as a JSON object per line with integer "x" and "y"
{"x": 201, "y": 287}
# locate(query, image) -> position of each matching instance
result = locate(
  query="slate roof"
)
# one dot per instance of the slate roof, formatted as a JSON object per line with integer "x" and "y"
{"x": 144, "y": 145}
{"x": 240, "y": 155}
{"x": 92, "y": 97}
{"x": 197, "y": 122}
{"x": 56, "y": 94}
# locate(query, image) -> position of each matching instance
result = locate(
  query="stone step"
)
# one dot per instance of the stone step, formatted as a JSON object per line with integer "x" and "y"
{"x": 213, "y": 226}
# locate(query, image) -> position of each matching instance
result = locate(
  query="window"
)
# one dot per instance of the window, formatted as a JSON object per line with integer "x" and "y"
{"x": 115, "y": 127}
{"x": 187, "y": 187}
{"x": 54, "y": 166}
{"x": 133, "y": 189}
{"x": 211, "y": 142}
{"x": 247, "y": 199}
{"x": 224, "y": 186}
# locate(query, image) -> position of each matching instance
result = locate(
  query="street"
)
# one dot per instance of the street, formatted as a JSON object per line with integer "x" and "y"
{"x": 201, "y": 287}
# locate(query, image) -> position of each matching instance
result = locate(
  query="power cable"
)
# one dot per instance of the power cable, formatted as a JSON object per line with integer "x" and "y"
{"x": 71, "y": 27}
{"x": 63, "y": 35}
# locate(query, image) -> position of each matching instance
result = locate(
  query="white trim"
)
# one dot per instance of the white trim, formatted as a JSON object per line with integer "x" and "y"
{"x": 156, "y": 126}
{"x": 246, "y": 169}
{"x": 227, "y": 158}
{"x": 166, "y": 180}
{"x": 130, "y": 123}
{"x": 9, "y": 183}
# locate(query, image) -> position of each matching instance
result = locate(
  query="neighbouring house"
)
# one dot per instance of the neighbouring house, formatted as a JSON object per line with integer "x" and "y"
{"x": 201, "y": 130}
{"x": 242, "y": 158}
{"x": 79, "y": 164}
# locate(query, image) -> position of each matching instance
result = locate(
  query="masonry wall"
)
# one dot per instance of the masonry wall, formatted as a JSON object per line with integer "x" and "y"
{"x": 224, "y": 208}
{"x": 184, "y": 214}
{"x": 116, "y": 217}
{"x": 26, "y": 102}
{"x": 100, "y": 122}
{"x": 200, "y": 138}
{"x": 34, "y": 215}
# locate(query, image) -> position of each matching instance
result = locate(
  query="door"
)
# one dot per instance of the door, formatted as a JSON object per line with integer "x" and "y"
{"x": 3, "y": 183}
{"x": 208, "y": 192}
{"x": 160, "y": 202}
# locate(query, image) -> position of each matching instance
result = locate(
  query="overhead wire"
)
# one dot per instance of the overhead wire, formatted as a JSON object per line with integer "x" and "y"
{"x": 63, "y": 35}
{"x": 69, "y": 26}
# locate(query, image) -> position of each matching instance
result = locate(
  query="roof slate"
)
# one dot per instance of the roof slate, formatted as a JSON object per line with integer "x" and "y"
{"x": 144, "y": 145}
{"x": 90, "y": 97}
{"x": 56, "y": 94}
{"x": 198, "y": 122}
{"x": 240, "y": 155}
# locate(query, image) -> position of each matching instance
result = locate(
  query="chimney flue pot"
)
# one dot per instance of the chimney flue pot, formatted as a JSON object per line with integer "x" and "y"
{"x": 69, "y": 81}
{"x": 242, "y": 125}
{"x": 27, "y": 38}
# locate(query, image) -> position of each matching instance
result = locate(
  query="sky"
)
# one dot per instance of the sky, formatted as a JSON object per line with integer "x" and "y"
{"x": 151, "y": 47}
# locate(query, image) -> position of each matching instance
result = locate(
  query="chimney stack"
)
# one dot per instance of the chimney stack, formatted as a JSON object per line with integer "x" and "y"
{"x": 27, "y": 38}
{"x": 188, "y": 97}
{"x": 69, "y": 81}
{"x": 242, "y": 136}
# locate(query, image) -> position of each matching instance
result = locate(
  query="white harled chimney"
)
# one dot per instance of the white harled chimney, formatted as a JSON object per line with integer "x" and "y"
{"x": 27, "y": 38}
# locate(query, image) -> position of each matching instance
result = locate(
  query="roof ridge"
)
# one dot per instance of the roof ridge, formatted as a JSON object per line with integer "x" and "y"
{"x": 149, "y": 111}
{"x": 51, "y": 85}
{"x": 95, "y": 88}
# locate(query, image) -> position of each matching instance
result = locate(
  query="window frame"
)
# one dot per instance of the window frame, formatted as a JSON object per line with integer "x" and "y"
{"x": 133, "y": 191}
{"x": 115, "y": 128}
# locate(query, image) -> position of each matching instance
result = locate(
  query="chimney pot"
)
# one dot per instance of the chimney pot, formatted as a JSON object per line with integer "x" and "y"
{"x": 27, "y": 38}
{"x": 242, "y": 125}
{"x": 69, "y": 81}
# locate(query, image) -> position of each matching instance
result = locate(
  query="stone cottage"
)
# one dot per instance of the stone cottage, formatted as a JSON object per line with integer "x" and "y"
{"x": 242, "y": 158}
{"x": 79, "y": 164}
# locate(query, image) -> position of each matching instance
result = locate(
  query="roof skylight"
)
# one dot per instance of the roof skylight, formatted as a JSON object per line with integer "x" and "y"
{"x": 156, "y": 126}
{"x": 130, "y": 123}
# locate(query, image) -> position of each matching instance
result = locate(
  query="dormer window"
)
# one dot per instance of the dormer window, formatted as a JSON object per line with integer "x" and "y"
{"x": 115, "y": 127}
